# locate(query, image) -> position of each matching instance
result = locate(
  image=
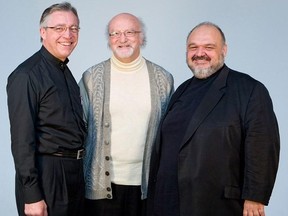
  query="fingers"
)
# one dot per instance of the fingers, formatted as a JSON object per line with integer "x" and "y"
{"x": 254, "y": 213}
{"x": 253, "y": 209}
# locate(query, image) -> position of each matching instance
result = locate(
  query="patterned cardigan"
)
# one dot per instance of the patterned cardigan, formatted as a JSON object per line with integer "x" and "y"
{"x": 95, "y": 91}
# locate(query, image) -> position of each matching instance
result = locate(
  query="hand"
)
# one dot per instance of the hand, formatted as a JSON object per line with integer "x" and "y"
{"x": 36, "y": 209}
{"x": 252, "y": 208}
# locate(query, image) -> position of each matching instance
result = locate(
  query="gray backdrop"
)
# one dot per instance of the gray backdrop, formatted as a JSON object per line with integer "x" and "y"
{"x": 256, "y": 34}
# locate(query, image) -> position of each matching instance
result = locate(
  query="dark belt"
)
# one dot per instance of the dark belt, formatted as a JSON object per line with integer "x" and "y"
{"x": 76, "y": 154}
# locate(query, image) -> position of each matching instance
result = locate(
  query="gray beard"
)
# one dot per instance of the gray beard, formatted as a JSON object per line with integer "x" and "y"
{"x": 204, "y": 73}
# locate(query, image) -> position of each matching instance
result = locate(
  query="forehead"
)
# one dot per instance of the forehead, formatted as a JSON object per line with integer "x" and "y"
{"x": 124, "y": 22}
{"x": 62, "y": 17}
{"x": 205, "y": 34}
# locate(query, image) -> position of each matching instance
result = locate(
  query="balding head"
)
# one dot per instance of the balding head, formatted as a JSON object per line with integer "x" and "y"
{"x": 119, "y": 20}
{"x": 126, "y": 36}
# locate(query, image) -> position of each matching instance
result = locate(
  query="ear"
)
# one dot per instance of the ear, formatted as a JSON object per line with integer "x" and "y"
{"x": 42, "y": 33}
{"x": 224, "y": 50}
{"x": 142, "y": 39}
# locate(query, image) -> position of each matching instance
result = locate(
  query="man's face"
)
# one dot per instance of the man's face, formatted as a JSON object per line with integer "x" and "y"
{"x": 205, "y": 51}
{"x": 126, "y": 48}
{"x": 60, "y": 43}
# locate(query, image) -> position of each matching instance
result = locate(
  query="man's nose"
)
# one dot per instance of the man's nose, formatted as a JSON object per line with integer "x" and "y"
{"x": 200, "y": 51}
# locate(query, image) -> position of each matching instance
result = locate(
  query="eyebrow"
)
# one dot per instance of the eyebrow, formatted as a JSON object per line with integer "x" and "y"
{"x": 208, "y": 44}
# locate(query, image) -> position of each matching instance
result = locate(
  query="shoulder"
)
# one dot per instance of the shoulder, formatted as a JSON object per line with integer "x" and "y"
{"x": 97, "y": 68}
{"x": 234, "y": 75}
{"x": 245, "y": 83}
{"x": 159, "y": 71}
{"x": 242, "y": 79}
{"x": 26, "y": 68}
{"x": 157, "y": 67}
{"x": 30, "y": 63}
{"x": 94, "y": 76}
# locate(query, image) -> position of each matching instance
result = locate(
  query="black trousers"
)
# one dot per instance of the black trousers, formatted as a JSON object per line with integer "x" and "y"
{"x": 126, "y": 202}
{"x": 62, "y": 183}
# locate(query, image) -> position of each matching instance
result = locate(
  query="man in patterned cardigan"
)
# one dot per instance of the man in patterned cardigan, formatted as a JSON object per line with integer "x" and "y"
{"x": 124, "y": 99}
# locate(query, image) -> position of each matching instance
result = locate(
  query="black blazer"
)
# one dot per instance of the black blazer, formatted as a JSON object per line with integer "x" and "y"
{"x": 230, "y": 150}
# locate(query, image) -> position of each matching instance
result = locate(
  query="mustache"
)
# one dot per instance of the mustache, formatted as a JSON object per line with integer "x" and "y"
{"x": 203, "y": 57}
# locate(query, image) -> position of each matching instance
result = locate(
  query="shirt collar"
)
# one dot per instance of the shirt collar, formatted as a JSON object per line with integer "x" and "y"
{"x": 57, "y": 62}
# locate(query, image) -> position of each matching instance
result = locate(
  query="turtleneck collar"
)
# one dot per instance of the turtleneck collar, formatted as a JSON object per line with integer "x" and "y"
{"x": 133, "y": 66}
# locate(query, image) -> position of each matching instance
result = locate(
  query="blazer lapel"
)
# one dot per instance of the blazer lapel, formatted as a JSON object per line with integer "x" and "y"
{"x": 210, "y": 100}
{"x": 174, "y": 98}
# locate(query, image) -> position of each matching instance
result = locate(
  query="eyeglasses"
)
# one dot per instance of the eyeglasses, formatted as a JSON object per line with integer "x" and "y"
{"x": 62, "y": 29}
{"x": 127, "y": 33}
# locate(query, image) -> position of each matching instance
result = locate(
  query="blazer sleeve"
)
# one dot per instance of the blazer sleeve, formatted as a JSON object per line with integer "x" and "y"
{"x": 262, "y": 146}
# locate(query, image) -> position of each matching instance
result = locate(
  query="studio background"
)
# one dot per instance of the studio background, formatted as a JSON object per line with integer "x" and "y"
{"x": 256, "y": 33}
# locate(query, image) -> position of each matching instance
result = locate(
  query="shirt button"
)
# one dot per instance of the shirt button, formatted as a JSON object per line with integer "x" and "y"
{"x": 106, "y": 142}
{"x": 108, "y": 189}
{"x": 107, "y": 158}
{"x": 109, "y": 196}
{"x": 106, "y": 124}
{"x": 107, "y": 173}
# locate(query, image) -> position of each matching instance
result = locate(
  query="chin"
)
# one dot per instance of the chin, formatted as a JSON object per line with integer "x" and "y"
{"x": 202, "y": 73}
{"x": 124, "y": 55}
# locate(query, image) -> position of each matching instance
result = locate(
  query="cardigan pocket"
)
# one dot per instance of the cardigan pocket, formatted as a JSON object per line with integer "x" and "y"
{"x": 232, "y": 192}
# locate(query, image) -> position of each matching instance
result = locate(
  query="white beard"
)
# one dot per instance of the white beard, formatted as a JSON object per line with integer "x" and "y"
{"x": 124, "y": 54}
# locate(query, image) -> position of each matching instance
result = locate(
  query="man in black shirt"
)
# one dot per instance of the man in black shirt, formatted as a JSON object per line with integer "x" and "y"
{"x": 47, "y": 130}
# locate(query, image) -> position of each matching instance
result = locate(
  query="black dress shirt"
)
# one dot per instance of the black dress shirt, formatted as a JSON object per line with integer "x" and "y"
{"x": 45, "y": 114}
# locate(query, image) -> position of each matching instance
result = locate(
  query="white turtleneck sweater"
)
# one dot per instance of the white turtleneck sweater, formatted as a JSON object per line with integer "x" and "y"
{"x": 130, "y": 107}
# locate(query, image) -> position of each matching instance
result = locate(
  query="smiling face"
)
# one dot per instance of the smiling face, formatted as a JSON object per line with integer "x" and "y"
{"x": 206, "y": 51}
{"x": 125, "y": 48}
{"x": 58, "y": 44}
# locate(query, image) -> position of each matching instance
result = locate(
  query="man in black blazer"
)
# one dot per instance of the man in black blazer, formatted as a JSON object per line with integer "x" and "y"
{"x": 217, "y": 149}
